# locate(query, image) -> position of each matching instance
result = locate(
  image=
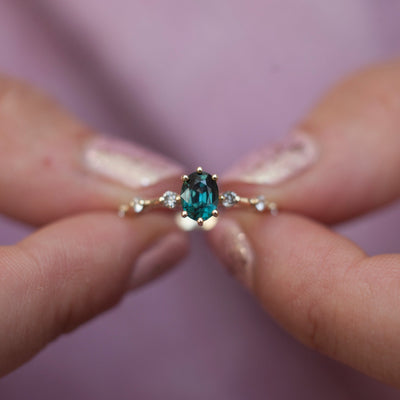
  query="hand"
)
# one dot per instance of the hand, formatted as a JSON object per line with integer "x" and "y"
{"x": 343, "y": 161}
{"x": 53, "y": 167}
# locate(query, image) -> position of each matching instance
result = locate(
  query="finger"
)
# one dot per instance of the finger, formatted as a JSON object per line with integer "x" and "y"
{"x": 342, "y": 160}
{"x": 72, "y": 270}
{"x": 53, "y": 165}
{"x": 319, "y": 286}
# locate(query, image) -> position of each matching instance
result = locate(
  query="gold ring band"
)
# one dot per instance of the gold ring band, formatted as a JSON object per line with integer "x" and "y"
{"x": 199, "y": 199}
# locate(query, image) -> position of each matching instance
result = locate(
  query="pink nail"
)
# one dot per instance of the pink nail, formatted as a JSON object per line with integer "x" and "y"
{"x": 276, "y": 164}
{"x": 129, "y": 164}
{"x": 159, "y": 258}
{"x": 234, "y": 250}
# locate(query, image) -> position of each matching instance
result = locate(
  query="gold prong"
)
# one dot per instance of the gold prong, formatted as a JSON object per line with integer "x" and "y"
{"x": 221, "y": 197}
{"x": 200, "y": 221}
{"x": 184, "y": 214}
{"x": 185, "y": 178}
{"x": 254, "y": 201}
{"x": 199, "y": 170}
{"x": 215, "y": 213}
{"x": 215, "y": 177}
{"x": 161, "y": 199}
{"x": 178, "y": 198}
{"x": 237, "y": 199}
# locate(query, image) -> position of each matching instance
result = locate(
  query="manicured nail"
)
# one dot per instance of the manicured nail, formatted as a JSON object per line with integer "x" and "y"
{"x": 235, "y": 250}
{"x": 126, "y": 163}
{"x": 276, "y": 164}
{"x": 159, "y": 258}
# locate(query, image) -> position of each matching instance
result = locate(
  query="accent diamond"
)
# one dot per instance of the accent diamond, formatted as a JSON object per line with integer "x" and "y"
{"x": 273, "y": 208}
{"x": 137, "y": 205}
{"x": 229, "y": 199}
{"x": 260, "y": 205}
{"x": 169, "y": 199}
{"x": 122, "y": 211}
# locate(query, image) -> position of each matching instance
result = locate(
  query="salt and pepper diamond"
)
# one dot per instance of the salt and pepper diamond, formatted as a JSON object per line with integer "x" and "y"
{"x": 170, "y": 199}
{"x": 137, "y": 205}
{"x": 229, "y": 199}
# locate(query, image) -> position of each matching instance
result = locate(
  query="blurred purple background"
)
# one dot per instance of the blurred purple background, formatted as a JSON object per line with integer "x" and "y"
{"x": 165, "y": 72}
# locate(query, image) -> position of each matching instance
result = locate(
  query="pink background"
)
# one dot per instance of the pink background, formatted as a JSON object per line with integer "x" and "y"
{"x": 234, "y": 73}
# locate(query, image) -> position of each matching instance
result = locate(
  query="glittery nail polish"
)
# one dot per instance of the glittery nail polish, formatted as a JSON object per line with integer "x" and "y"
{"x": 278, "y": 163}
{"x": 126, "y": 163}
{"x": 235, "y": 250}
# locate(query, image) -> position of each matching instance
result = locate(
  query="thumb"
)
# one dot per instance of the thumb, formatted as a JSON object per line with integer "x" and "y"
{"x": 342, "y": 160}
{"x": 70, "y": 271}
{"x": 320, "y": 286}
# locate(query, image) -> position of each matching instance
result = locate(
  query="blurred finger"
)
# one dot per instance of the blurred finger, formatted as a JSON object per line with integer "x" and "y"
{"x": 318, "y": 285}
{"x": 72, "y": 270}
{"x": 343, "y": 158}
{"x": 53, "y": 165}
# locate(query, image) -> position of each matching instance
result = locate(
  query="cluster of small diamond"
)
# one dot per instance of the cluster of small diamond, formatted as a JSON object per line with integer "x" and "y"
{"x": 262, "y": 204}
{"x": 137, "y": 205}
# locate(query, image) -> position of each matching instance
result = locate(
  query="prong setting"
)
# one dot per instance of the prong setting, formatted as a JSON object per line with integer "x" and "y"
{"x": 137, "y": 205}
{"x": 198, "y": 199}
{"x": 229, "y": 199}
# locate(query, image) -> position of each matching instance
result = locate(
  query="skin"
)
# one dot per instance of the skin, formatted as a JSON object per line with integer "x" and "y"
{"x": 80, "y": 260}
{"x": 320, "y": 286}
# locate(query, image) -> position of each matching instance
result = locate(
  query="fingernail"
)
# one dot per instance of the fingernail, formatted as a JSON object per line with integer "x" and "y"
{"x": 235, "y": 251}
{"x": 128, "y": 164}
{"x": 158, "y": 259}
{"x": 276, "y": 164}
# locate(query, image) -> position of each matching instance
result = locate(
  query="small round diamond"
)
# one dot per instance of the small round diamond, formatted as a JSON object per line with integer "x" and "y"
{"x": 273, "y": 208}
{"x": 169, "y": 199}
{"x": 122, "y": 211}
{"x": 260, "y": 205}
{"x": 229, "y": 199}
{"x": 137, "y": 205}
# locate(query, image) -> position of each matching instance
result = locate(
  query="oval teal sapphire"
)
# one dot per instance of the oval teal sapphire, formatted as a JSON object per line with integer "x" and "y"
{"x": 199, "y": 196}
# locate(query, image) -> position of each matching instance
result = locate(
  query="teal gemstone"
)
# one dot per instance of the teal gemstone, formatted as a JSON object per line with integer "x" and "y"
{"x": 199, "y": 196}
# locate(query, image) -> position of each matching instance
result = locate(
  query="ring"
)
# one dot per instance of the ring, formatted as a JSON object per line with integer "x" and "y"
{"x": 199, "y": 199}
